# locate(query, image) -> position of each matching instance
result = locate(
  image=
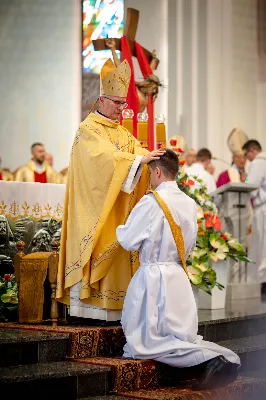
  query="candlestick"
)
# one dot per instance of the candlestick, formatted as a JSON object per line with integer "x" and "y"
{"x": 142, "y": 129}
{"x": 160, "y": 132}
{"x": 127, "y": 121}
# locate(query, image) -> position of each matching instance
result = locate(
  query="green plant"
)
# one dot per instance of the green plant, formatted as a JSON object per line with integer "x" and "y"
{"x": 212, "y": 244}
{"x": 8, "y": 296}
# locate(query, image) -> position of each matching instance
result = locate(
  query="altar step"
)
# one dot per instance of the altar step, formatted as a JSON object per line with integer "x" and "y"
{"x": 99, "y": 376}
{"x": 78, "y": 362}
{"x": 130, "y": 375}
{"x": 72, "y": 381}
{"x": 109, "y": 341}
{"x": 20, "y": 347}
{"x": 56, "y": 380}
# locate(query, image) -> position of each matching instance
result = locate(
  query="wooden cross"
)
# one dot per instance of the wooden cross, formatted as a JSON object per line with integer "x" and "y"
{"x": 130, "y": 31}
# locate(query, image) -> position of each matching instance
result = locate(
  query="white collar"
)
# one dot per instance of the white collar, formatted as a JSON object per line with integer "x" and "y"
{"x": 104, "y": 116}
{"x": 166, "y": 184}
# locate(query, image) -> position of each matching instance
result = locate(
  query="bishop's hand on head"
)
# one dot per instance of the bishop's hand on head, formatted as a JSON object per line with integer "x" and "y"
{"x": 153, "y": 155}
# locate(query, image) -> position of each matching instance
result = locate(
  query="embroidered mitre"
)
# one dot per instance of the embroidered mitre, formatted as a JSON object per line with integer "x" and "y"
{"x": 114, "y": 81}
{"x": 236, "y": 140}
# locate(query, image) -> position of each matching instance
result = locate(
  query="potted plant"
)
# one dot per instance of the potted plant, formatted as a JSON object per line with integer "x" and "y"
{"x": 208, "y": 264}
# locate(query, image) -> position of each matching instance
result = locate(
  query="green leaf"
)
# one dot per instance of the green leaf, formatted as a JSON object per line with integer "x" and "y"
{"x": 210, "y": 277}
{"x": 222, "y": 253}
{"x": 216, "y": 241}
{"x": 12, "y": 308}
{"x": 202, "y": 241}
{"x": 219, "y": 285}
{"x": 9, "y": 298}
{"x": 198, "y": 252}
{"x": 213, "y": 256}
{"x": 234, "y": 244}
{"x": 203, "y": 266}
{"x": 195, "y": 275}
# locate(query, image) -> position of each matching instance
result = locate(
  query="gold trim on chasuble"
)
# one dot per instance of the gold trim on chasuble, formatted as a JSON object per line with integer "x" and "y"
{"x": 106, "y": 267}
{"x": 176, "y": 229}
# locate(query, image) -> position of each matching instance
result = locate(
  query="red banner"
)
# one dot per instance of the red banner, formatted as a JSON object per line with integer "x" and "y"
{"x": 132, "y": 96}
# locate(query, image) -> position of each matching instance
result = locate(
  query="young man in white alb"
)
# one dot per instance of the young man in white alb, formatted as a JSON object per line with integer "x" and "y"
{"x": 159, "y": 317}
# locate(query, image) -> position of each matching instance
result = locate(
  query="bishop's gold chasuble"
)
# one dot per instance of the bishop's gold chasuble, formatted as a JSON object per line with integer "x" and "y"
{"x": 102, "y": 155}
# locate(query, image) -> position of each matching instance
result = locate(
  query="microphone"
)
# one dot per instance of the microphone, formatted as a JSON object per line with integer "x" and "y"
{"x": 220, "y": 159}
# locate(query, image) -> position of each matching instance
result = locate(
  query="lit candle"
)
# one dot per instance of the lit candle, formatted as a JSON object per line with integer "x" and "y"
{"x": 160, "y": 132}
{"x": 127, "y": 121}
{"x": 142, "y": 129}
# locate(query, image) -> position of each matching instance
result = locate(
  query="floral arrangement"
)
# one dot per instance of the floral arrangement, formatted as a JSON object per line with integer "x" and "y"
{"x": 8, "y": 296}
{"x": 212, "y": 244}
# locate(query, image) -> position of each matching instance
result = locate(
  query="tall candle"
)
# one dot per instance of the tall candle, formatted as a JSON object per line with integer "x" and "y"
{"x": 142, "y": 129}
{"x": 127, "y": 121}
{"x": 160, "y": 136}
{"x": 128, "y": 124}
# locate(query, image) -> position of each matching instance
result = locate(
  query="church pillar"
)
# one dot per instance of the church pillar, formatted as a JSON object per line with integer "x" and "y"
{"x": 218, "y": 84}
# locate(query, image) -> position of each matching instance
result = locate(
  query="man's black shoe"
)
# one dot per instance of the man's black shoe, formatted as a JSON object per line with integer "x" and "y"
{"x": 217, "y": 372}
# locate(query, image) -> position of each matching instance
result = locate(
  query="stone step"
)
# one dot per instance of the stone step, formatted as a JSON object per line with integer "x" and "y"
{"x": 232, "y": 328}
{"x": 251, "y": 350}
{"x": 100, "y": 376}
{"x": 18, "y": 347}
{"x": 128, "y": 374}
{"x": 244, "y": 388}
{"x": 109, "y": 341}
{"x": 58, "y": 380}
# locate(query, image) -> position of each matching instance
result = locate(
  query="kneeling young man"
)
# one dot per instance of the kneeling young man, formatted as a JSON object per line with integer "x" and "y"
{"x": 159, "y": 317}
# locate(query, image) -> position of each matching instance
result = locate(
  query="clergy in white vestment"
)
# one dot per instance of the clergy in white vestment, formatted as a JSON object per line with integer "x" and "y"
{"x": 257, "y": 176}
{"x": 198, "y": 169}
{"x": 159, "y": 316}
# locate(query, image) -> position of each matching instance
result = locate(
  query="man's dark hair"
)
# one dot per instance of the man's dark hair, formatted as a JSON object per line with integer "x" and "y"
{"x": 204, "y": 155}
{"x": 252, "y": 144}
{"x": 168, "y": 163}
{"x": 36, "y": 144}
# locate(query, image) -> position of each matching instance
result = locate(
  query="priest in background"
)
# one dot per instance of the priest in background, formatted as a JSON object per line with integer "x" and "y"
{"x": 107, "y": 176}
{"x": 49, "y": 159}
{"x": 236, "y": 172}
{"x": 198, "y": 169}
{"x": 190, "y": 157}
{"x": 36, "y": 170}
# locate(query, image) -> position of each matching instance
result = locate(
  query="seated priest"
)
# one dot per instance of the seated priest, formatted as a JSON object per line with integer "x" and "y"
{"x": 37, "y": 170}
{"x": 236, "y": 172}
{"x": 106, "y": 177}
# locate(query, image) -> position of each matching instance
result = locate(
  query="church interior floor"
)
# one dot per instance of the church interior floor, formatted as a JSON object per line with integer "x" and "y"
{"x": 79, "y": 362}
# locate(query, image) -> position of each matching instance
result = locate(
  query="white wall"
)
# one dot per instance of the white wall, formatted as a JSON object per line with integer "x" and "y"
{"x": 40, "y": 79}
{"x": 217, "y": 86}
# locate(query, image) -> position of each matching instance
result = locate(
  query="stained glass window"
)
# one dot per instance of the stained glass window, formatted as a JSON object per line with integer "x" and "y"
{"x": 101, "y": 19}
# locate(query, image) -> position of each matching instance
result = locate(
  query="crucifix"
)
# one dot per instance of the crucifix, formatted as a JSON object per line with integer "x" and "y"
{"x": 150, "y": 84}
{"x": 130, "y": 30}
